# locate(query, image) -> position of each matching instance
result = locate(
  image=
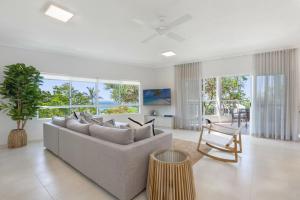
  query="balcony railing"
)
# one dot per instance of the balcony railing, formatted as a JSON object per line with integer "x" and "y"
{"x": 221, "y": 108}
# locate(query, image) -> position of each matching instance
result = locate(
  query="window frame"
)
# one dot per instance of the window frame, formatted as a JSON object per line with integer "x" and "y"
{"x": 215, "y": 100}
{"x": 96, "y": 104}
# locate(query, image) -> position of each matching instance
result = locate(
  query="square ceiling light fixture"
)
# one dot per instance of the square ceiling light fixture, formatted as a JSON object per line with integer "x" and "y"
{"x": 168, "y": 53}
{"x": 58, "y": 13}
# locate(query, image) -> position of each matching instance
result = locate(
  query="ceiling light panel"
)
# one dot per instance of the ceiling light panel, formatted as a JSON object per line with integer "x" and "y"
{"x": 168, "y": 54}
{"x": 58, "y": 13}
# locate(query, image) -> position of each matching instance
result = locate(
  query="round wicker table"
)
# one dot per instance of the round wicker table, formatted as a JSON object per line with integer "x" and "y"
{"x": 170, "y": 176}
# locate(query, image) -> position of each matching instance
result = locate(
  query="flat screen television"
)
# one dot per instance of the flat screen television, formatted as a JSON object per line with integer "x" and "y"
{"x": 157, "y": 97}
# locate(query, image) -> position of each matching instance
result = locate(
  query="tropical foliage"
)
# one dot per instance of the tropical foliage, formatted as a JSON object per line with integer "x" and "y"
{"x": 81, "y": 101}
{"x": 233, "y": 93}
{"x": 124, "y": 93}
{"x": 21, "y": 93}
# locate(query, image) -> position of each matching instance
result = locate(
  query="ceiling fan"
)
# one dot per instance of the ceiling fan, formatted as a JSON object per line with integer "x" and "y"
{"x": 165, "y": 28}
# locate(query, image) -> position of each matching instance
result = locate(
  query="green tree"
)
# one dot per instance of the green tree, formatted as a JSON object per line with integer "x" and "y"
{"x": 122, "y": 93}
{"x": 210, "y": 88}
{"x": 21, "y": 92}
{"x": 92, "y": 94}
{"x": 232, "y": 89}
{"x": 61, "y": 97}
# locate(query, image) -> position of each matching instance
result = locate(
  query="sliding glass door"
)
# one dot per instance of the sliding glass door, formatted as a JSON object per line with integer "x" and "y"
{"x": 227, "y": 99}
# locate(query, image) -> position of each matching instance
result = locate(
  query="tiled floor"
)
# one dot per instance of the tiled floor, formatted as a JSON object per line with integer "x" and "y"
{"x": 267, "y": 170}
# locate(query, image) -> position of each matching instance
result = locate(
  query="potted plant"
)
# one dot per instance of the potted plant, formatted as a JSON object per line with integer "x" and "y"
{"x": 21, "y": 95}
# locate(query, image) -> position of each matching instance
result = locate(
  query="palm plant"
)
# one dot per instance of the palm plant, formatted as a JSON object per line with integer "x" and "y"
{"x": 92, "y": 94}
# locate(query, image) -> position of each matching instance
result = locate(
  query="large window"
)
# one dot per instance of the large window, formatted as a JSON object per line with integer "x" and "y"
{"x": 235, "y": 92}
{"x": 223, "y": 94}
{"x": 56, "y": 98}
{"x": 116, "y": 98}
{"x": 64, "y": 95}
{"x": 83, "y": 97}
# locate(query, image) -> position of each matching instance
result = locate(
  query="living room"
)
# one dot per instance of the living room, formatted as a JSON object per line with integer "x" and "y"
{"x": 220, "y": 75}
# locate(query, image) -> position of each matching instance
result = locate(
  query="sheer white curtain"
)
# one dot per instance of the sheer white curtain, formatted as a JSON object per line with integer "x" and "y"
{"x": 188, "y": 113}
{"x": 275, "y": 113}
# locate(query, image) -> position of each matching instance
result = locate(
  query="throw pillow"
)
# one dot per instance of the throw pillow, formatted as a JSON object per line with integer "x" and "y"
{"x": 98, "y": 119}
{"x": 140, "y": 124}
{"x": 115, "y": 135}
{"x": 143, "y": 132}
{"x": 83, "y": 121}
{"x": 86, "y": 116}
{"x": 122, "y": 125}
{"x": 110, "y": 123}
{"x": 76, "y": 116}
{"x": 75, "y": 125}
{"x": 95, "y": 121}
{"x": 59, "y": 121}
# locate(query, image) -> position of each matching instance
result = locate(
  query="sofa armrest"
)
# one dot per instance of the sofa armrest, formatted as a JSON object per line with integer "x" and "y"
{"x": 136, "y": 159}
{"x": 50, "y": 137}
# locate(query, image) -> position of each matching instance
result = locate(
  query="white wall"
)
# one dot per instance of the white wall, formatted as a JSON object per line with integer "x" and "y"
{"x": 164, "y": 78}
{"x": 241, "y": 65}
{"x": 71, "y": 66}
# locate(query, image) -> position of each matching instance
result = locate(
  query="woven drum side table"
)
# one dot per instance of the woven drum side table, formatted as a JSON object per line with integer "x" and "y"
{"x": 170, "y": 176}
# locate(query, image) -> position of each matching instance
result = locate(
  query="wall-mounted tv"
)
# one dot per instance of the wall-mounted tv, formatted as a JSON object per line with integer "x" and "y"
{"x": 157, "y": 97}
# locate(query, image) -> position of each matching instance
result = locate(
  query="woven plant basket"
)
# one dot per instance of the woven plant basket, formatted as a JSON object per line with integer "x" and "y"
{"x": 17, "y": 138}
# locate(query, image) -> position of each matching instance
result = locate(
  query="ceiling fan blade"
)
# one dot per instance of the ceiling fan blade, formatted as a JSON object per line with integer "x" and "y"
{"x": 175, "y": 36}
{"x": 138, "y": 21}
{"x": 180, "y": 21}
{"x": 141, "y": 23}
{"x": 151, "y": 37}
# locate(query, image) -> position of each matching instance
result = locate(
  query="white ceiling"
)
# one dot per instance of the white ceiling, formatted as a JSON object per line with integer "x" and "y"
{"x": 105, "y": 29}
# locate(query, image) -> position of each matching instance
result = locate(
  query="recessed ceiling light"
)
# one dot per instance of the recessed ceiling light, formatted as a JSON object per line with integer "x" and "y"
{"x": 58, "y": 13}
{"x": 168, "y": 53}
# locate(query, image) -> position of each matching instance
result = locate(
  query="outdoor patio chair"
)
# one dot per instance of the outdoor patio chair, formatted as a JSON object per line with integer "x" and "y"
{"x": 222, "y": 138}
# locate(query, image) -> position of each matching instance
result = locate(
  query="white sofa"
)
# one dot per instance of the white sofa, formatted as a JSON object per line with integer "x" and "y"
{"x": 119, "y": 169}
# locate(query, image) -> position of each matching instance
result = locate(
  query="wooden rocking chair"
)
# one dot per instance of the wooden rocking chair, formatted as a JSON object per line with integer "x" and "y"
{"x": 222, "y": 138}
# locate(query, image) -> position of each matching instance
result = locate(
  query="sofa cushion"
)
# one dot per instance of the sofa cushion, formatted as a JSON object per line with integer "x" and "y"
{"x": 75, "y": 125}
{"x": 115, "y": 135}
{"x": 59, "y": 121}
{"x": 143, "y": 132}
